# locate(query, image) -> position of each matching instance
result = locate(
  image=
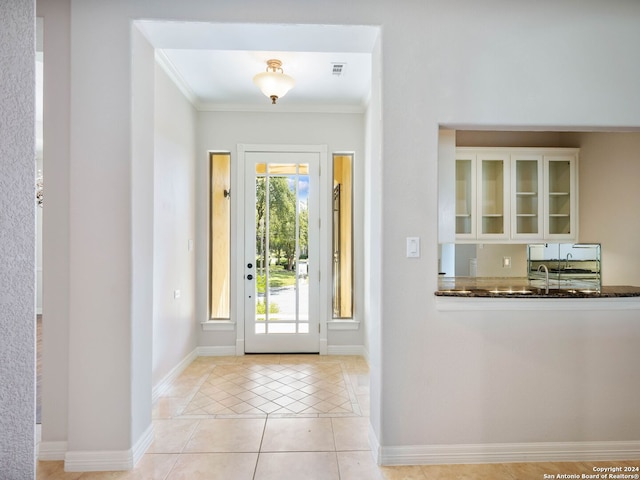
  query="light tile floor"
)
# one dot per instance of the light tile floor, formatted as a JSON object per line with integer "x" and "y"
{"x": 281, "y": 417}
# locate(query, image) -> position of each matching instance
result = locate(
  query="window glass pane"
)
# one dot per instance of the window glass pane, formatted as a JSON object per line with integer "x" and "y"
{"x": 282, "y": 248}
{"x": 220, "y": 235}
{"x": 342, "y": 236}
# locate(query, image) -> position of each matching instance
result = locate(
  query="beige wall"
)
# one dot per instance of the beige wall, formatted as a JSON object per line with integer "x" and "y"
{"x": 609, "y": 202}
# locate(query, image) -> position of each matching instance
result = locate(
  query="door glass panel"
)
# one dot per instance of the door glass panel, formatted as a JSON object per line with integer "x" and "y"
{"x": 282, "y": 286}
{"x": 559, "y": 197}
{"x": 342, "y": 239}
{"x": 492, "y": 197}
{"x": 463, "y": 197}
{"x": 527, "y": 197}
{"x": 220, "y": 235}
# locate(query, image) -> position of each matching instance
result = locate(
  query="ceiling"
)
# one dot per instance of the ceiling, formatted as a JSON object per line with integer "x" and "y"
{"x": 214, "y": 64}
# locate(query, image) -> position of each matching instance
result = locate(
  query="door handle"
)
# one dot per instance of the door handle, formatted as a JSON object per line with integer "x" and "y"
{"x": 249, "y": 277}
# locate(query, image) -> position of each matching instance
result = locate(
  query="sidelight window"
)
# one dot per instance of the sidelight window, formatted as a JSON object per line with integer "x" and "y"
{"x": 342, "y": 242}
{"x": 219, "y": 235}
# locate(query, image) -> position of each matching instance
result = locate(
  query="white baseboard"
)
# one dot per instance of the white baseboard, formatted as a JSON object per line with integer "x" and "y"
{"x": 52, "y": 451}
{"x": 323, "y": 349}
{"x": 98, "y": 461}
{"x": 105, "y": 461}
{"x": 142, "y": 445}
{"x": 217, "y": 351}
{"x": 347, "y": 350}
{"x": 163, "y": 384}
{"x": 509, "y": 452}
{"x": 375, "y": 446}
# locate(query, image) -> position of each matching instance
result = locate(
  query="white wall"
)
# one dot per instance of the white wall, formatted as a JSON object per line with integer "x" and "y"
{"x": 174, "y": 320}
{"x": 223, "y": 131}
{"x": 488, "y": 65}
{"x": 373, "y": 247}
{"x": 142, "y": 237}
{"x": 465, "y": 378}
{"x": 17, "y": 240}
{"x": 56, "y": 218}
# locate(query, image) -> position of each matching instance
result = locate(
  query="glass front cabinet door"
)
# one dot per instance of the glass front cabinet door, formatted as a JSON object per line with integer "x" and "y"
{"x": 493, "y": 195}
{"x": 526, "y": 196}
{"x": 517, "y": 195}
{"x": 465, "y": 196}
{"x": 560, "y": 197}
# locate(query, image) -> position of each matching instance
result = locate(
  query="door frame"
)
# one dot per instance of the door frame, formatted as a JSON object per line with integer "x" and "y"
{"x": 324, "y": 182}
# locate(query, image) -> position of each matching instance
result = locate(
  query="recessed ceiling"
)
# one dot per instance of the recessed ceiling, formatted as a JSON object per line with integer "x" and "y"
{"x": 215, "y": 63}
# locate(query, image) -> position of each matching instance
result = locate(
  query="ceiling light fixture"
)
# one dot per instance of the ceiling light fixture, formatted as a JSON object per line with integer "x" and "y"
{"x": 274, "y": 83}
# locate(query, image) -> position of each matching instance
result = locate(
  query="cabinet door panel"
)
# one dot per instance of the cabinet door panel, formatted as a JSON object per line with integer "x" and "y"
{"x": 466, "y": 197}
{"x": 493, "y": 195}
{"x": 560, "y": 197}
{"x": 526, "y": 197}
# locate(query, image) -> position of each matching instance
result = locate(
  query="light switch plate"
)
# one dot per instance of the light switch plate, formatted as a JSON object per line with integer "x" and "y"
{"x": 413, "y": 247}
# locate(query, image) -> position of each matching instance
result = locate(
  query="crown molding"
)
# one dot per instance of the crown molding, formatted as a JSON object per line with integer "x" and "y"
{"x": 279, "y": 108}
{"x": 176, "y": 78}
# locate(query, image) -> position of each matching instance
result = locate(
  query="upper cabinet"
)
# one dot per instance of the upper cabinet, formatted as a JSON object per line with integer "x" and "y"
{"x": 515, "y": 194}
{"x": 527, "y": 196}
{"x": 560, "y": 195}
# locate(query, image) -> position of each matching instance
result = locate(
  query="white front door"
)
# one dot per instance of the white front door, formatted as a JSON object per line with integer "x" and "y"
{"x": 281, "y": 252}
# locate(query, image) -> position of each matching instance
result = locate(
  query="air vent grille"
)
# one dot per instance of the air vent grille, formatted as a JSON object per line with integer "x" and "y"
{"x": 338, "y": 69}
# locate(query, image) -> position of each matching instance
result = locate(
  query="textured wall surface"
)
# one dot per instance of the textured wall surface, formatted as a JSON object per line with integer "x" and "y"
{"x": 17, "y": 239}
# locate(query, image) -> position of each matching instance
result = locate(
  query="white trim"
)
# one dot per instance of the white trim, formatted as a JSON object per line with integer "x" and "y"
{"x": 165, "y": 383}
{"x": 281, "y": 108}
{"x": 509, "y": 452}
{"x": 457, "y": 304}
{"x": 98, "y": 461}
{"x": 347, "y": 350}
{"x": 142, "y": 445}
{"x": 323, "y": 347}
{"x": 105, "y": 460}
{"x": 52, "y": 451}
{"x": 343, "y": 324}
{"x": 237, "y": 244}
{"x": 218, "y": 325}
{"x": 374, "y": 444}
{"x": 172, "y": 72}
{"x": 225, "y": 351}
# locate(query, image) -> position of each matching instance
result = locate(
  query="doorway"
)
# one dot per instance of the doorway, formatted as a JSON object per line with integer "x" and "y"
{"x": 281, "y": 252}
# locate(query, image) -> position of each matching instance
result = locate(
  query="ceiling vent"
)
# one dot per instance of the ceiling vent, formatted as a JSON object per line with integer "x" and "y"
{"x": 338, "y": 69}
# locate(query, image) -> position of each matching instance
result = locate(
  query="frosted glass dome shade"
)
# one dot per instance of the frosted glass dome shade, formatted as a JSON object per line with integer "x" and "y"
{"x": 274, "y": 83}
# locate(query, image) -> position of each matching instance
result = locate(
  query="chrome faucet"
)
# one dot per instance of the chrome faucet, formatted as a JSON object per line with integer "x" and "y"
{"x": 566, "y": 264}
{"x": 546, "y": 278}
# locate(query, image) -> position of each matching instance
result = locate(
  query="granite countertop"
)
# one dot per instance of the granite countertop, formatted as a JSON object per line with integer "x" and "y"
{"x": 516, "y": 287}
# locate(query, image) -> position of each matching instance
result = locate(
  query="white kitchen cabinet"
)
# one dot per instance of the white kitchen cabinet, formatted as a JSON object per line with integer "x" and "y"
{"x": 466, "y": 196}
{"x": 493, "y": 195}
{"x": 482, "y": 195}
{"x": 527, "y": 196}
{"x": 560, "y": 196}
{"x": 516, "y": 195}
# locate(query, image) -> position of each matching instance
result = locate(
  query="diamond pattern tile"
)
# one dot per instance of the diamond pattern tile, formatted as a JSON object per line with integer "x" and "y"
{"x": 288, "y": 389}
